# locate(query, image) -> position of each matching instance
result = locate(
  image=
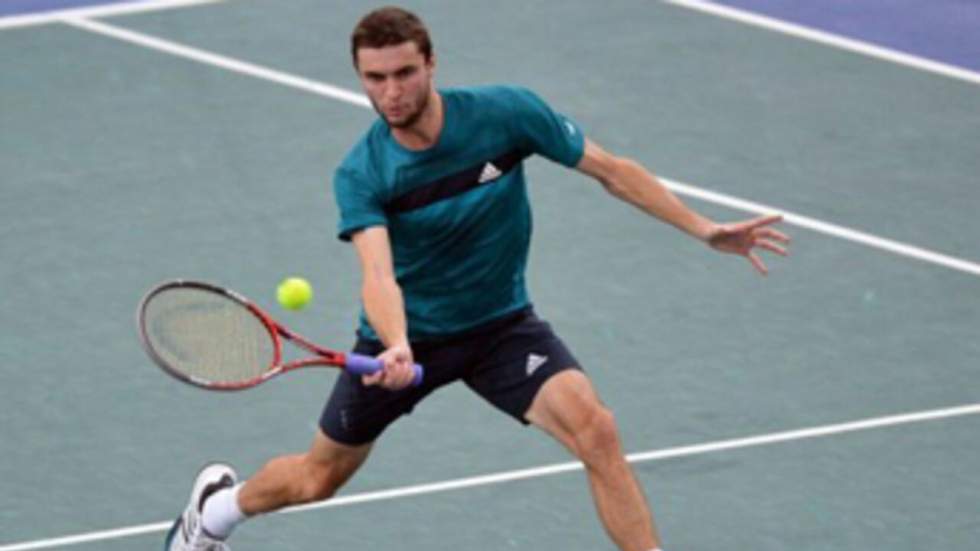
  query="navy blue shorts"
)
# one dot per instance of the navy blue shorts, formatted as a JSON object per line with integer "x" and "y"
{"x": 505, "y": 362}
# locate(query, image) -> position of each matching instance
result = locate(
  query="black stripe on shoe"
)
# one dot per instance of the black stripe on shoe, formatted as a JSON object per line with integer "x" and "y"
{"x": 226, "y": 482}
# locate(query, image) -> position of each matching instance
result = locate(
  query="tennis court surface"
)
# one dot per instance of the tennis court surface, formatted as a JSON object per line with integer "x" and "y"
{"x": 831, "y": 405}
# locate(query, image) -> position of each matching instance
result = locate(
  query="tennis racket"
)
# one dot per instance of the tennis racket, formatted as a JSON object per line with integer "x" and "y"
{"x": 215, "y": 338}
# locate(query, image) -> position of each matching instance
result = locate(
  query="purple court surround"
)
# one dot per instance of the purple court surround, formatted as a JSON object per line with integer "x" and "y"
{"x": 947, "y": 31}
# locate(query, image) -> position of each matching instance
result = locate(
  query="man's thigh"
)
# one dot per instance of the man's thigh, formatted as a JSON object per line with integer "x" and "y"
{"x": 519, "y": 361}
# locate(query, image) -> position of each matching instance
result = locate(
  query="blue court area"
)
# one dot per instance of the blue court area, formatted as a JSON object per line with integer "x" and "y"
{"x": 941, "y": 30}
{"x": 832, "y": 405}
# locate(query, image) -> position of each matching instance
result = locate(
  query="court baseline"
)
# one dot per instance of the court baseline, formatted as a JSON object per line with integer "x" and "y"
{"x": 544, "y": 470}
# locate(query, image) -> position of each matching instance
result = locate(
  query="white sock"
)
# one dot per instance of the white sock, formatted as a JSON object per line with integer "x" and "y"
{"x": 221, "y": 512}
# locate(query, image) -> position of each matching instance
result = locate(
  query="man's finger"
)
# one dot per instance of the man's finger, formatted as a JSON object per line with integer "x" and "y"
{"x": 757, "y": 262}
{"x": 407, "y": 373}
{"x": 773, "y": 234}
{"x": 374, "y": 378}
{"x": 760, "y": 221}
{"x": 770, "y": 246}
{"x": 402, "y": 381}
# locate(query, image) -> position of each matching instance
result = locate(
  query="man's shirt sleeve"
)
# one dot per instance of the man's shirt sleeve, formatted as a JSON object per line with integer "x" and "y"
{"x": 544, "y": 131}
{"x": 358, "y": 203}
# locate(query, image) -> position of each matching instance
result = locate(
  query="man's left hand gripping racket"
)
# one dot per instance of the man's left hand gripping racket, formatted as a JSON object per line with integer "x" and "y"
{"x": 214, "y": 338}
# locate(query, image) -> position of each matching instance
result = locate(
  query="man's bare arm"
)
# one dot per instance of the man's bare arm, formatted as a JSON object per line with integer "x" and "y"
{"x": 631, "y": 182}
{"x": 385, "y": 308}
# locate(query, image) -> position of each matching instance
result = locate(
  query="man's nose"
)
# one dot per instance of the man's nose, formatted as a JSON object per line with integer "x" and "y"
{"x": 393, "y": 90}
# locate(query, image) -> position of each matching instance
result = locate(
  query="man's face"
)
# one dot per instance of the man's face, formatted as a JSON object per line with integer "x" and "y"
{"x": 397, "y": 79}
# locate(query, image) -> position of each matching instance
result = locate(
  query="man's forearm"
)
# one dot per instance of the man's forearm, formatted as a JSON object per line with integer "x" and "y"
{"x": 385, "y": 309}
{"x": 634, "y": 184}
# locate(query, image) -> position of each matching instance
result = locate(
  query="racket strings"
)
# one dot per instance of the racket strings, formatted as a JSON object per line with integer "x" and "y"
{"x": 208, "y": 336}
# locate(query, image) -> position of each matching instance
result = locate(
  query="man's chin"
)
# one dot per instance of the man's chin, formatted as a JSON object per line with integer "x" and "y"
{"x": 396, "y": 123}
{"x": 401, "y": 122}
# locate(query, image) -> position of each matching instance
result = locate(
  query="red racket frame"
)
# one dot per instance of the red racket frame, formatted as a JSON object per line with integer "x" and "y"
{"x": 324, "y": 357}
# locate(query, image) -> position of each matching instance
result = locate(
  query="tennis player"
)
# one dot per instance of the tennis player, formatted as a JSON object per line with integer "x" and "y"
{"x": 434, "y": 199}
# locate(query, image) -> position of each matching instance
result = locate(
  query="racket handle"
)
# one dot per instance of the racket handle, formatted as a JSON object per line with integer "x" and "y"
{"x": 360, "y": 364}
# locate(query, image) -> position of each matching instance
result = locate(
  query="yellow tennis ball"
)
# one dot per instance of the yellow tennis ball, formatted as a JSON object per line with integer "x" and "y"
{"x": 294, "y": 293}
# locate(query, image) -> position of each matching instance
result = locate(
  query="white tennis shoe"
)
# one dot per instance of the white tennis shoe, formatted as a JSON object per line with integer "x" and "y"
{"x": 187, "y": 533}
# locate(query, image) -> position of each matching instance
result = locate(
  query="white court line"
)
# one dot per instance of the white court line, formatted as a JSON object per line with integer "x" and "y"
{"x": 841, "y": 232}
{"x": 56, "y": 16}
{"x": 544, "y": 470}
{"x": 830, "y": 39}
{"x": 360, "y": 100}
{"x": 221, "y": 61}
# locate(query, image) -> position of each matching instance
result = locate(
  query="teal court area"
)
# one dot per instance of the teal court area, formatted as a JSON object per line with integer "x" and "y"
{"x": 142, "y": 145}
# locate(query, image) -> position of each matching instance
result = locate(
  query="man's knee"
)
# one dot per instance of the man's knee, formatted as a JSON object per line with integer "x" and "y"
{"x": 597, "y": 438}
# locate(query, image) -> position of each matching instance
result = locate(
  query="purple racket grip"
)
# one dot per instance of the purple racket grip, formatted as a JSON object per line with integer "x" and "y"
{"x": 360, "y": 364}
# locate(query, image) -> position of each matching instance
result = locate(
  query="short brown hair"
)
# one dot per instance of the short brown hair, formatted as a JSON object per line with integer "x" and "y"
{"x": 390, "y": 26}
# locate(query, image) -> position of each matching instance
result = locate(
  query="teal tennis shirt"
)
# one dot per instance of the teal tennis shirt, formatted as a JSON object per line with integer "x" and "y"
{"x": 457, "y": 213}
